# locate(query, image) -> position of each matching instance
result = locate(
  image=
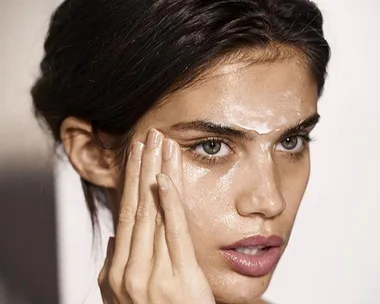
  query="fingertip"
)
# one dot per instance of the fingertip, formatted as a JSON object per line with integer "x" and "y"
{"x": 137, "y": 149}
{"x": 163, "y": 182}
{"x": 167, "y": 149}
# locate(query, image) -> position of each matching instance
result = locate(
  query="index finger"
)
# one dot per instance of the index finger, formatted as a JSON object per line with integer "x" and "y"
{"x": 128, "y": 207}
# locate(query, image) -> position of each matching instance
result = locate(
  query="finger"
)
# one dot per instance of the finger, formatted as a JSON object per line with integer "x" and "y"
{"x": 172, "y": 162}
{"x": 107, "y": 263}
{"x": 143, "y": 233}
{"x": 127, "y": 211}
{"x": 171, "y": 166}
{"x": 105, "y": 288}
{"x": 177, "y": 235}
{"x": 161, "y": 253}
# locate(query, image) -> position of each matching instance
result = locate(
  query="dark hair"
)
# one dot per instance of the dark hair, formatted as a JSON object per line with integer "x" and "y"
{"x": 109, "y": 61}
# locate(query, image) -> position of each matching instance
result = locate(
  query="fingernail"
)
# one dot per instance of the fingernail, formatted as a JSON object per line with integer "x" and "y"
{"x": 137, "y": 149}
{"x": 153, "y": 138}
{"x": 167, "y": 149}
{"x": 162, "y": 181}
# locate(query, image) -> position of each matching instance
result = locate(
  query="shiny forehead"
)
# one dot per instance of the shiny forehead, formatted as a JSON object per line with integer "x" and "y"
{"x": 261, "y": 97}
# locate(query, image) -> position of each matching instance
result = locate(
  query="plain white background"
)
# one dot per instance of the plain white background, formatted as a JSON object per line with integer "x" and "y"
{"x": 334, "y": 253}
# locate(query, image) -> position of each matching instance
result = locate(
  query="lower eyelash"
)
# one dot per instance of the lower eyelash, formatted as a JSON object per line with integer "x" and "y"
{"x": 298, "y": 155}
{"x": 212, "y": 160}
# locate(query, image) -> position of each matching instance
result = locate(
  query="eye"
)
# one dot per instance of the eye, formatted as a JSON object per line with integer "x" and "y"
{"x": 292, "y": 144}
{"x": 213, "y": 148}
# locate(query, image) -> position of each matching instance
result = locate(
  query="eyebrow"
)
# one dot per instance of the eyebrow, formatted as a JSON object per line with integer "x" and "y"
{"x": 302, "y": 125}
{"x": 210, "y": 127}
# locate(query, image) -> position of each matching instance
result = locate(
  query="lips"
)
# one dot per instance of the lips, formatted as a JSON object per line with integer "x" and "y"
{"x": 254, "y": 256}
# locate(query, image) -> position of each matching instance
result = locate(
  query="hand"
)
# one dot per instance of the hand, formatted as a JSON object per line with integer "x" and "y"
{"x": 152, "y": 259}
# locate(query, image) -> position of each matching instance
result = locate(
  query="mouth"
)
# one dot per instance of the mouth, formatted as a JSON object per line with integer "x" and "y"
{"x": 255, "y": 256}
{"x": 252, "y": 250}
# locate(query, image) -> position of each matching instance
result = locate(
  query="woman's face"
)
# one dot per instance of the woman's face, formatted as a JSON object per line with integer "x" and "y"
{"x": 244, "y": 132}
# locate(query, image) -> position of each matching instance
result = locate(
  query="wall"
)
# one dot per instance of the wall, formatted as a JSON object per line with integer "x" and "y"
{"x": 28, "y": 255}
{"x": 334, "y": 253}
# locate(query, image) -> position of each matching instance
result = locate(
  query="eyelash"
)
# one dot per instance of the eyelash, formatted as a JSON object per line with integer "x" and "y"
{"x": 214, "y": 160}
{"x": 211, "y": 160}
{"x": 306, "y": 140}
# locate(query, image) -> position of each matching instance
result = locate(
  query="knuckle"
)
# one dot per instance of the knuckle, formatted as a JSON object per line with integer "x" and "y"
{"x": 101, "y": 278}
{"x": 143, "y": 212}
{"x": 114, "y": 279}
{"x": 170, "y": 208}
{"x": 159, "y": 219}
{"x": 133, "y": 285}
{"x": 173, "y": 235}
{"x": 127, "y": 214}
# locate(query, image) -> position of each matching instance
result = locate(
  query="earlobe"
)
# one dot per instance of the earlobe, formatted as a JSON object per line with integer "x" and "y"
{"x": 89, "y": 159}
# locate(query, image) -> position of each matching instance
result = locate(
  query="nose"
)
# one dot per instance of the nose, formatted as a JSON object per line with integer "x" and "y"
{"x": 260, "y": 192}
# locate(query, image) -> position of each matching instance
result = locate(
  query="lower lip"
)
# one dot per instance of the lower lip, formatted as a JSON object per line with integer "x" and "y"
{"x": 253, "y": 265}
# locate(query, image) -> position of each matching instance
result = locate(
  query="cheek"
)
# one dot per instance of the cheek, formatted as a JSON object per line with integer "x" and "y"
{"x": 208, "y": 198}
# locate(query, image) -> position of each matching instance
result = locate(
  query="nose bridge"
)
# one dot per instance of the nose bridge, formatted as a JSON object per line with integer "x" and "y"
{"x": 261, "y": 193}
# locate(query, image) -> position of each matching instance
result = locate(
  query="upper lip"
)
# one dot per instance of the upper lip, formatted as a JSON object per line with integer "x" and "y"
{"x": 257, "y": 240}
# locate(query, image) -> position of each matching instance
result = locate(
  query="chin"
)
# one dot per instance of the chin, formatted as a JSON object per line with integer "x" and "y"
{"x": 239, "y": 289}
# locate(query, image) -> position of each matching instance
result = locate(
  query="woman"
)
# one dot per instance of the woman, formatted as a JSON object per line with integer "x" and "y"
{"x": 191, "y": 120}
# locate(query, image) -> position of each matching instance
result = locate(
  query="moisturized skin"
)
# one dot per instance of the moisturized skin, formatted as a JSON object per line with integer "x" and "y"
{"x": 238, "y": 168}
{"x": 246, "y": 166}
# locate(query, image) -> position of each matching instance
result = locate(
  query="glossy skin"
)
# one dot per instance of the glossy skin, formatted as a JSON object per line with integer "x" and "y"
{"x": 233, "y": 186}
{"x": 153, "y": 258}
{"x": 255, "y": 188}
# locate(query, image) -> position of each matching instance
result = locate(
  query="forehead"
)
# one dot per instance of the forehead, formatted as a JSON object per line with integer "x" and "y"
{"x": 250, "y": 96}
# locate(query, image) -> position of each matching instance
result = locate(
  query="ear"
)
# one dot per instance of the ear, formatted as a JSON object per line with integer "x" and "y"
{"x": 94, "y": 164}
